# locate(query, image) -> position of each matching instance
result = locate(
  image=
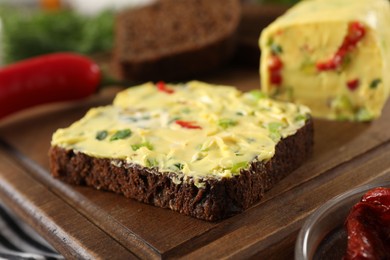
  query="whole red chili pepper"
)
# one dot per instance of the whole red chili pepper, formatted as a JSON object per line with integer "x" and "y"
{"x": 45, "y": 79}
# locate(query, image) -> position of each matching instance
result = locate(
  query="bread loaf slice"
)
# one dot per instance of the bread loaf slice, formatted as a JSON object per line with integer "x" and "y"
{"x": 202, "y": 150}
{"x": 175, "y": 40}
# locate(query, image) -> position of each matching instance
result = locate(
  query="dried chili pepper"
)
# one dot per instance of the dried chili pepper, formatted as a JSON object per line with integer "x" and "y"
{"x": 368, "y": 227}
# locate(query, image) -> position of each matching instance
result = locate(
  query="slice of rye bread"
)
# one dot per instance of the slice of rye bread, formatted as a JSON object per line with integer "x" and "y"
{"x": 175, "y": 40}
{"x": 217, "y": 200}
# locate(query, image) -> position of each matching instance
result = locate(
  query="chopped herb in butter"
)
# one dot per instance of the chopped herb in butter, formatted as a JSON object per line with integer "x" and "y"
{"x": 374, "y": 84}
{"x": 238, "y": 166}
{"x": 226, "y": 123}
{"x": 148, "y": 145}
{"x": 101, "y": 135}
{"x": 121, "y": 134}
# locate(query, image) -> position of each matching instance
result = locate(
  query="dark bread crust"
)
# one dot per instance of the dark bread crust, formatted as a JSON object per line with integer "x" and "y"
{"x": 217, "y": 200}
{"x": 175, "y": 40}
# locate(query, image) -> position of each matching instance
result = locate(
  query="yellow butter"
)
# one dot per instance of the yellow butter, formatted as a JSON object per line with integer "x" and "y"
{"x": 229, "y": 129}
{"x": 313, "y": 31}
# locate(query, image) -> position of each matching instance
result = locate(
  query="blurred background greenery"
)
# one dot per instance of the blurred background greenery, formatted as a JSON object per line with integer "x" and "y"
{"x": 27, "y": 34}
{"x": 49, "y": 27}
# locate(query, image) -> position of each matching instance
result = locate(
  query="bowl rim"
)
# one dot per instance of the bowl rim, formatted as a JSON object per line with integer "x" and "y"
{"x": 301, "y": 250}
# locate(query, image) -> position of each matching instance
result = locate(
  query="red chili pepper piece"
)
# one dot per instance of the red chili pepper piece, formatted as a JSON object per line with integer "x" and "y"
{"x": 161, "y": 86}
{"x": 368, "y": 227}
{"x": 353, "y": 84}
{"x": 188, "y": 124}
{"x": 275, "y": 65}
{"x": 47, "y": 78}
{"x": 356, "y": 32}
{"x": 276, "y": 78}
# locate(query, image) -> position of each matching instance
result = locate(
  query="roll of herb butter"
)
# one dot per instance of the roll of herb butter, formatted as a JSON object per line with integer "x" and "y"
{"x": 331, "y": 55}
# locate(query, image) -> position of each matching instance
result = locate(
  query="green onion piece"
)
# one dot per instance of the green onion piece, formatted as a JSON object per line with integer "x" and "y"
{"x": 179, "y": 166}
{"x": 148, "y": 145}
{"x": 257, "y": 94}
{"x": 342, "y": 103}
{"x": 101, "y": 135}
{"x": 274, "y": 128}
{"x": 151, "y": 162}
{"x": 121, "y": 134}
{"x": 238, "y": 166}
{"x": 374, "y": 84}
{"x": 363, "y": 115}
{"x": 300, "y": 117}
{"x": 276, "y": 48}
{"x": 226, "y": 123}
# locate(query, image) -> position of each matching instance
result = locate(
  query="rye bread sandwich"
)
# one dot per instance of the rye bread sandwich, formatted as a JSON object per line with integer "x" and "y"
{"x": 175, "y": 40}
{"x": 202, "y": 150}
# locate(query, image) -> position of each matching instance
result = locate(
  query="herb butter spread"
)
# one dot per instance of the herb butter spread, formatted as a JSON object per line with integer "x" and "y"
{"x": 331, "y": 55}
{"x": 195, "y": 129}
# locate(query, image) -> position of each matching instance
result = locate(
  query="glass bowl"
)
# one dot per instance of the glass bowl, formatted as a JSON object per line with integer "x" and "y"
{"x": 322, "y": 236}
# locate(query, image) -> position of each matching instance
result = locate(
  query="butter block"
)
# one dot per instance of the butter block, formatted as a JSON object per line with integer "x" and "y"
{"x": 331, "y": 55}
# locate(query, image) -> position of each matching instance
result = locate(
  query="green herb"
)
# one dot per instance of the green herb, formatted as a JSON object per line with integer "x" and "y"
{"x": 276, "y": 49}
{"x": 363, "y": 115}
{"x": 274, "y": 129}
{"x": 274, "y": 126}
{"x": 257, "y": 94}
{"x": 148, "y": 145}
{"x": 226, "y": 123}
{"x": 101, "y": 135}
{"x": 121, "y": 134}
{"x": 374, "y": 84}
{"x": 28, "y": 34}
{"x": 238, "y": 166}
{"x": 151, "y": 162}
{"x": 179, "y": 166}
{"x": 342, "y": 103}
{"x": 300, "y": 117}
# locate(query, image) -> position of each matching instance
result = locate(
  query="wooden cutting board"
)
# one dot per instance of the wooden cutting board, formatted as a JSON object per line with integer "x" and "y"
{"x": 84, "y": 223}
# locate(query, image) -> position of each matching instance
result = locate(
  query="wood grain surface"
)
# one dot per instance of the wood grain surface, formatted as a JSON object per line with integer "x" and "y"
{"x": 84, "y": 223}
